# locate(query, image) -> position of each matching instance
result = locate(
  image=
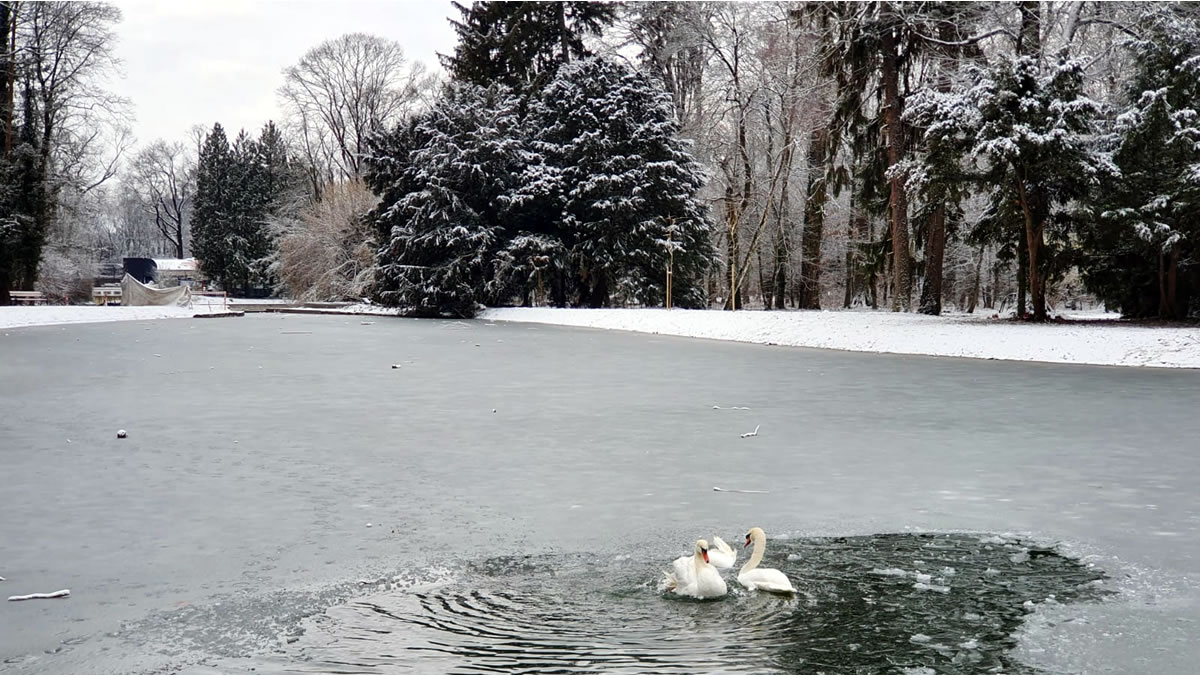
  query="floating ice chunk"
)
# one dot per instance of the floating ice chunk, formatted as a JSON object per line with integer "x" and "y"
{"x": 1020, "y": 557}
{"x": 40, "y": 596}
{"x": 921, "y": 586}
{"x": 949, "y": 571}
{"x": 890, "y": 572}
{"x": 920, "y": 638}
{"x": 793, "y": 557}
{"x": 992, "y": 540}
{"x": 971, "y": 616}
{"x": 969, "y": 644}
{"x": 922, "y": 578}
{"x": 918, "y": 670}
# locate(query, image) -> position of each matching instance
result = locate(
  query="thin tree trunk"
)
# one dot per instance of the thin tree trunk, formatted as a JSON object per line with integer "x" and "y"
{"x": 897, "y": 200}
{"x": 814, "y": 219}
{"x": 1022, "y": 273}
{"x": 1173, "y": 285}
{"x": 784, "y": 230}
{"x": 975, "y": 286}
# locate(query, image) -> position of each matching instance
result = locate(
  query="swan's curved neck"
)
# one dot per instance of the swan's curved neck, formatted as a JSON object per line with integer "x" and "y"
{"x": 755, "y": 557}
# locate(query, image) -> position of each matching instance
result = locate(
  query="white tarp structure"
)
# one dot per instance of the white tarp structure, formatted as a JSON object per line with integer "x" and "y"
{"x": 135, "y": 293}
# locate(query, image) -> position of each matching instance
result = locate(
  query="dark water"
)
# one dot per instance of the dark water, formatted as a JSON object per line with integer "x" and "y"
{"x": 861, "y": 609}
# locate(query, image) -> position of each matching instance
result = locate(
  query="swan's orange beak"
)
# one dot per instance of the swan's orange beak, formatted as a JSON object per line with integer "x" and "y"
{"x": 705, "y": 554}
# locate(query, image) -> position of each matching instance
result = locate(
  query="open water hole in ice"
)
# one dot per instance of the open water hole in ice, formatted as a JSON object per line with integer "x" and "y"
{"x": 890, "y": 603}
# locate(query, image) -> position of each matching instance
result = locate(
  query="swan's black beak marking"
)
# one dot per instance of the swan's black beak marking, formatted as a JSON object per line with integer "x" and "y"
{"x": 747, "y": 542}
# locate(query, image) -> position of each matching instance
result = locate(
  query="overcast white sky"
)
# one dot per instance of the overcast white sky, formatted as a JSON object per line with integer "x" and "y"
{"x": 199, "y": 62}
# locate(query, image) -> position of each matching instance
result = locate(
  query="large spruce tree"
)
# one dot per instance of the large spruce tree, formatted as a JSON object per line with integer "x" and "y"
{"x": 624, "y": 183}
{"x": 522, "y": 43}
{"x": 444, "y": 181}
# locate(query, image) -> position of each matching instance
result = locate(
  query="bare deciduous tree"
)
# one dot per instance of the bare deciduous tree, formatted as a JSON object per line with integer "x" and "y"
{"x": 341, "y": 92}
{"x": 162, "y": 178}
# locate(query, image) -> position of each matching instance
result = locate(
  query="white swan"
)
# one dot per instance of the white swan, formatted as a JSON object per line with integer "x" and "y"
{"x": 762, "y": 578}
{"x": 697, "y": 580}
{"x": 721, "y": 555}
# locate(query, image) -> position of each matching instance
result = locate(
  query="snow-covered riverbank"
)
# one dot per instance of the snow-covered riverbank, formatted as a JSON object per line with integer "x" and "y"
{"x": 1103, "y": 342}
{"x": 49, "y": 315}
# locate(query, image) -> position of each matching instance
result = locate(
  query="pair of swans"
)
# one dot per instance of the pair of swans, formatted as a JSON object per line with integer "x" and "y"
{"x": 697, "y": 576}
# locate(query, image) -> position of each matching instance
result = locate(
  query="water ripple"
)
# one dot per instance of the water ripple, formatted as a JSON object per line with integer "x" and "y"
{"x": 886, "y": 603}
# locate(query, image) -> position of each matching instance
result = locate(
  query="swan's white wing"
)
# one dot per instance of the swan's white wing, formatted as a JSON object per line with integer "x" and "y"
{"x": 683, "y": 570}
{"x": 766, "y": 579}
{"x": 721, "y": 556}
{"x": 709, "y": 583}
{"x": 722, "y": 546}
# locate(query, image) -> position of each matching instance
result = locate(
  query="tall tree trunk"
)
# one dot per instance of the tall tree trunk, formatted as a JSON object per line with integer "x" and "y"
{"x": 731, "y": 224}
{"x": 814, "y": 219}
{"x": 1029, "y": 43}
{"x": 8, "y": 33}
{"x": 935, "y": 251}
{"x": 1035, "y": 243}
{"x": 783, "y": 233}
{"x": 897, "y": 199}
{"x": 7, "y": 43}
{"x": 1022, "y": 273}
{"x": 851, "y": 238}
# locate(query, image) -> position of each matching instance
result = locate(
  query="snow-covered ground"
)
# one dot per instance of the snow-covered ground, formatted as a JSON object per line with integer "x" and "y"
{"x": 976, "y": 336}
{"x": 49, "y": 315}
{"x": 46, "y": 315}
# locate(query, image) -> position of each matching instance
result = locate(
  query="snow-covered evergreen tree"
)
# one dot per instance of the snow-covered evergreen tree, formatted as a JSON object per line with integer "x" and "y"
{"x": 211, "y": 219}
{"x": 444, "y": 182}
{"x": 1141, "y": 253}
{"x": 1032, "y": 138}
{"x": 625, "y": 184}
{"x": 238, "y": 188}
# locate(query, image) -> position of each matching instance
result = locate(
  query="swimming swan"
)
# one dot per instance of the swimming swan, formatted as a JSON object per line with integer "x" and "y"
{"x": 700, "y": 581}
{"x": 762, "y": 578}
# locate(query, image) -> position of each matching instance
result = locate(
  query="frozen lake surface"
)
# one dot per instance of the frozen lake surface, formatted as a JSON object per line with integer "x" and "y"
{"x": 525, "y": 484}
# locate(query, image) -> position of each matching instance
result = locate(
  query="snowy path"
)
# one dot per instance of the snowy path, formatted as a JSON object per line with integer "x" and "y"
{"x": 1097, "y": 343}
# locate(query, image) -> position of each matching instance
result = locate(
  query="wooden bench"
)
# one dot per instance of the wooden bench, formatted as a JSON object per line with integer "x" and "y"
{"x": 27, "y": 297}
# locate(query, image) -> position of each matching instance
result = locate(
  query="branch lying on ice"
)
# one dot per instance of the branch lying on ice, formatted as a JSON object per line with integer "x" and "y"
{"x": 40, "y": 596}
{"x": 748, "y": 434}
{"x": 736, "y": 407}
{"x": 745, "y": 492}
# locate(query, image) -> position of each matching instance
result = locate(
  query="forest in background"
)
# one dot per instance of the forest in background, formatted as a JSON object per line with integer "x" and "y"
{"x": 917, "y": 156}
